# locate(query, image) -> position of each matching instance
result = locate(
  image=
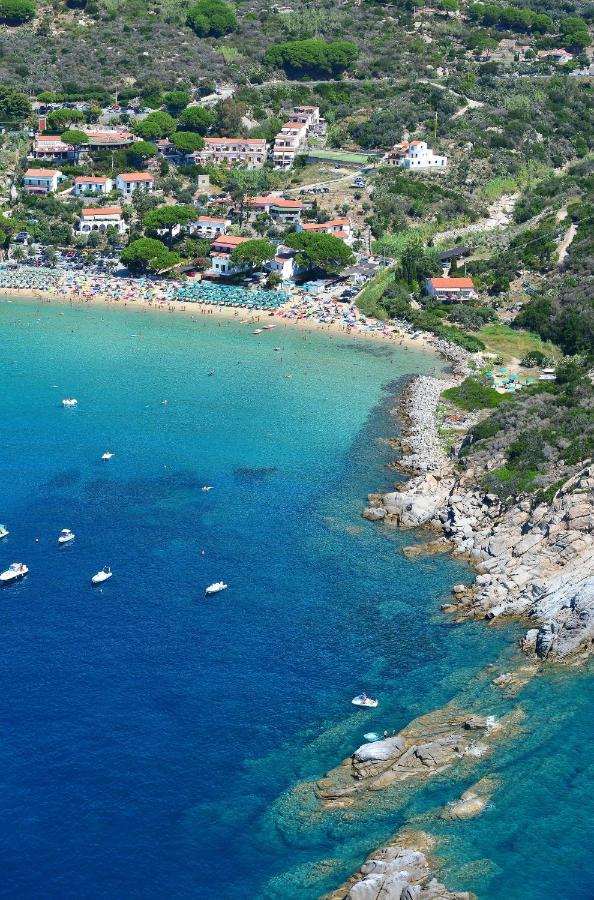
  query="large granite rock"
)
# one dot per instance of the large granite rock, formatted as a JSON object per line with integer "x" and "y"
{"x": 400, "y": 870}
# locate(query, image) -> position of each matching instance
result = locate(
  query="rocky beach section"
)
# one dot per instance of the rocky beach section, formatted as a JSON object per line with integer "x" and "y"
{"x": 532, "y": 561}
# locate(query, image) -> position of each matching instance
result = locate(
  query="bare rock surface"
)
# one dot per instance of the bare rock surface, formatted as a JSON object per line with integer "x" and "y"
{"x": 400, "y": 870}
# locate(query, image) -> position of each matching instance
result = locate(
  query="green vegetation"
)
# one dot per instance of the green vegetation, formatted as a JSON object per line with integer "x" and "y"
{"x": 15, "y": 12}
{"x": 211, "y": 18}
{"x": 320, "y": 251}
{"x": 473, "y": 395}
{"x": 157, "y": 125}
{"x": 253, "y": 253}
{"x": 314, "y": 58}
{"x": 187, "y": 141}
{"x": 15, "y": 107}
{"x": 514, "y": 343}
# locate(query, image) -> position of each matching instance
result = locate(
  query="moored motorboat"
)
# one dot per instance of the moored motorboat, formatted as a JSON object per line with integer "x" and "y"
{"x": 69, "y": 402}
{"x": 364, "y": 701}
{"x": 4, "y": 532}
{"x": 13, "y": 573}
{"x": 207, "y": 488}
{"x": 66, "y": 536}
{"x": 107, "y": 455}
{"x": 102, "y": 576}
{"x": 257, "y": 331}
{"x": 216, "y": 587}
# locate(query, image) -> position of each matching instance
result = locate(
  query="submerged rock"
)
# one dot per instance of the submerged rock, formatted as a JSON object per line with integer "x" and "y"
{"x": 472, "y": 802}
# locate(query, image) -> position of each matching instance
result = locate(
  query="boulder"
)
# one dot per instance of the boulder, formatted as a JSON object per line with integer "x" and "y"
{"x": 374, "y": 513}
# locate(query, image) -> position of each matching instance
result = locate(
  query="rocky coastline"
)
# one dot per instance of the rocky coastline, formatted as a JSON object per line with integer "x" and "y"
{"x": 531, "y": 561}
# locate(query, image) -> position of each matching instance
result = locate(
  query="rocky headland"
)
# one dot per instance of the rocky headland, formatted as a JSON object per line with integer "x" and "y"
{"x": 534, "y": 561}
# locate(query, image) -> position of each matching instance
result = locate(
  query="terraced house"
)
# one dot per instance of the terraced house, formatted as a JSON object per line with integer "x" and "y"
{"x": 249, "y": 153}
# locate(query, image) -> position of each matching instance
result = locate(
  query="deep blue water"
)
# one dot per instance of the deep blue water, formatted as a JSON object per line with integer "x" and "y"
{"x": 151, "y": 738}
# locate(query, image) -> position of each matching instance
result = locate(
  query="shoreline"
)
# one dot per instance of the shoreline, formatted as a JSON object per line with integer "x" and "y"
{"x": 395, "y": 338}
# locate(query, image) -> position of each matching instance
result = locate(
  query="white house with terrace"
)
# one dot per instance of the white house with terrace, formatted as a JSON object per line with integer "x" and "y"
{"x": 209, "y": 226}
{"x": 90, "y": 184}
{"x": 101, "y": 219}
{"x": 249, "y": 153}
{"x": 42, "y": 181}
{"x": 129, "y": 182}
{"x": 280, "y": 210}
{"x": 415, "y": 155}
{"x": 292, "y": 137}
{"x": 450, "y": 289}
{"x": 340, "y": 228}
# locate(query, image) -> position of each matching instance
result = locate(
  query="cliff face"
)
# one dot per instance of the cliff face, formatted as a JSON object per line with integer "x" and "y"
{"x": 531, "y": 561}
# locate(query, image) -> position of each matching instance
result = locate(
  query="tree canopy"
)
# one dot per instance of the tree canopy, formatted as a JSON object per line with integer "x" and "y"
{"x": 15, "y": 12}
{"x": 59, "y": 119}
{"x": 320, "y": 251}
{"x": 313, "y": 56}
{"x": 211, "y": 18}
{"x": 254, "y": 252}
{"x": 167, "y": 217}
{"x": 139, "y": 255}
{"x": 140, "y": 151}
{"x": 14, "y": 106}
{"x": 187, "y": 141}
{"x": 158, "y": 124}
{"x": 74, "y": 137}
{"x": 195, "y": 118}
{"x": 177, "y": 100}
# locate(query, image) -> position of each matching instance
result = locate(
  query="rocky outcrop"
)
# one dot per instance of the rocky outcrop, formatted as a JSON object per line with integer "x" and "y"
{"x": 401, "y": 870}
{"x": 472, "y": 802}
{"x": 426, "y": 747}
{"x": 535, "y": 562}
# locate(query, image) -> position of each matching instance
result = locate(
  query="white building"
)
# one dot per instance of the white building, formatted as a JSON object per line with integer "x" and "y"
{"x": 292, "y": 137}
{"x": 101, "y": 219}
{"x": 129, "y": 182}
{"x": 340, "y": 228}
{"x": 247, "y": 152}
{"x": 283, "y": 263}
{"x": 280, "y": 210}
{"x": 42, "y": 181}
{"x": 450, "y": 289}
{"x": 220, "y": 256}
{"x": 89, "y": 184}
{"x": 416, "y": 155}
{"x": 209, "y": 226}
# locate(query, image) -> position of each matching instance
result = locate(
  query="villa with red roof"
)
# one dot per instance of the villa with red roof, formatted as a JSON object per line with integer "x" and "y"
{"x": 209, "y": 226}
{"x": 42, "y": 181}
{"x": 90, "y": 184}
{"x": 340, "y": 228}
{"x": 220, "y": 255}
{"x": 280, "y": 210}
{"x": 292, "y": 137}
{"x": 249, "y": 153}
{"x": 448, "y": 289}
{"x": 129, "y": 182}
{"x": 100, "y": 219}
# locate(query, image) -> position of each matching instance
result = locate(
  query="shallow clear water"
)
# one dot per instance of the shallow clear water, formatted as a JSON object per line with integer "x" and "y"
{"x": 152, "y": 739}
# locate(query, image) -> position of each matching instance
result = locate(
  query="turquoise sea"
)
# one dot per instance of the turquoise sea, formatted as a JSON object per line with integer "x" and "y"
{"x": 156, "y": 744}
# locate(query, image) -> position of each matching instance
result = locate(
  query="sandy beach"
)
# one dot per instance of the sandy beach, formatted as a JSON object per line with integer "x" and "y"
{"x": 367, "y": 329}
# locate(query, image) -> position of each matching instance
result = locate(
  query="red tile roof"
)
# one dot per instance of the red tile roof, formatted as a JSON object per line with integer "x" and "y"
{"x": 103, "y": 211}
{"x": 276, "y": 201}
{"x": 228, "y": 240}
{"x": 136, "y": 176}
{"x": 90, "y": 179}
{"x": 41, "y": 173}
{"x": 451, "y": 283}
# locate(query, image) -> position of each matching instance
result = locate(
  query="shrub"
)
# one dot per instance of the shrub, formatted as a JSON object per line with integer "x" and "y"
{"x": 314, "y": 56}
{"x": 211, "y": 18}
{"x": 15, "y": 12}
{"x": 472, "y": 395}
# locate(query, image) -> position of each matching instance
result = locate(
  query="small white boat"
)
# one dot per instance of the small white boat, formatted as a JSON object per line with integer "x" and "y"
{"x": 4, "y": 532}
{"x": 13, "y": 573}
{"x": 102, "y": 576}
{"x": 108, "y": 455}
{"x": 66, "y": 536}
{"x": 365, "y": 701}
{"x": 216, "y": 587}
{"x": 69, "y": 402}
{"x": 269, "y": 327}
{"x": 207, "y": 488}
{"x": 277, "y": 349}
{"x": 257, "y": 331}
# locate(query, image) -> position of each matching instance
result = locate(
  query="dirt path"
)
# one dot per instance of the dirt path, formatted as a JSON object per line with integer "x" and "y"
{"x": 566, "y": 243}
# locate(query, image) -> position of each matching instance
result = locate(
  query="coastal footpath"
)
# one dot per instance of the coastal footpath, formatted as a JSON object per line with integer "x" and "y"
{"x": 532, "y": 561}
